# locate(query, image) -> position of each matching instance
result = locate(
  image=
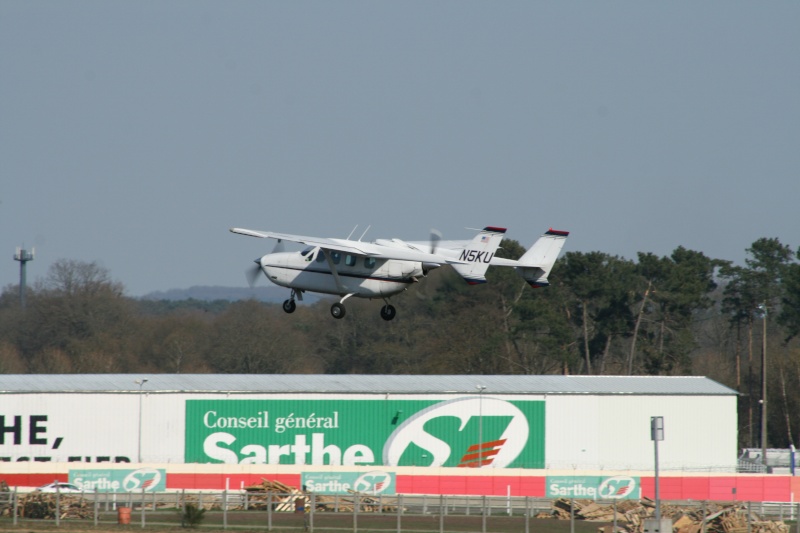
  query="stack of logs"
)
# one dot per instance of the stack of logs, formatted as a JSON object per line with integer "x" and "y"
{"x": 631, "y": 514}
{"x": 43, "y": 505}
{"x": 285, "y": 497}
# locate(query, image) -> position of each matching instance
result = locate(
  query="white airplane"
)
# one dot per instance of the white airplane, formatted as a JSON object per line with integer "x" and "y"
{"x": 386, "y": 267}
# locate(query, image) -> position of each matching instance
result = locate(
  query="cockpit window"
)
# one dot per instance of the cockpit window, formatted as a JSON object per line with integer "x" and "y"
{"x": 308, "y": 253}
{"x": 336, "y": 257}
{"x": 321, "y": 257}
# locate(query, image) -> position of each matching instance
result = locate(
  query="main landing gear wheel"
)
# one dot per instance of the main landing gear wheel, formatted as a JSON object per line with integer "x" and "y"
{"x": 337, "y": 310}
{"x": 388, "y": 312}
{"x": 289, "y": 306}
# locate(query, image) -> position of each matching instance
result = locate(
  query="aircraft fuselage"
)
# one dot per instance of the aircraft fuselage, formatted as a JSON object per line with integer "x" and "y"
{"x": 361, "y": 276}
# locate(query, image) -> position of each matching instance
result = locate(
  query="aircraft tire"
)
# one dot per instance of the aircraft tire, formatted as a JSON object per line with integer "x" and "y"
{"x": 388, "y": 312}
{"x": 289, "y": 306}
{"x": 337, "y": 310}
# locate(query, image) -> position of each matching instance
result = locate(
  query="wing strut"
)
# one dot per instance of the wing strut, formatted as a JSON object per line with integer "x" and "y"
{"x": 335, "y": 273}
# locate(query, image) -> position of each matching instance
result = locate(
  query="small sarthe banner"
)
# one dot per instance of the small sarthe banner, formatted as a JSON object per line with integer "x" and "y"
{"x": 594, "y": 487}
{"x": 372, "y": 483}
{"x": 122, "y": 480}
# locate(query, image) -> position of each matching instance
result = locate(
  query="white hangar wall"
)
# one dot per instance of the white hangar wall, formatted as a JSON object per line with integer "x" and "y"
{"x": 587, "y": 424}
{"x": 613, "y": 432}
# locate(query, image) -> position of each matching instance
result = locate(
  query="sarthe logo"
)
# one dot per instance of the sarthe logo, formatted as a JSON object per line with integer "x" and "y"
{"x": 146, "y": 479}
{"x": 616, "y": 488}
{"x": 467, "y": 432}
{"x": 373, "y": 482}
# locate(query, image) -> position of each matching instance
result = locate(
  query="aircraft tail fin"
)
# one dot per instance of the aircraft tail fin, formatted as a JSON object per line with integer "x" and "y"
{"x": 536, "y": 263}
{"x": 476, "y": 256}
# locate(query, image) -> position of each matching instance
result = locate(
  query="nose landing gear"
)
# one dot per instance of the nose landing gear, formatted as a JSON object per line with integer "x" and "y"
{"x": 290, "y": 305}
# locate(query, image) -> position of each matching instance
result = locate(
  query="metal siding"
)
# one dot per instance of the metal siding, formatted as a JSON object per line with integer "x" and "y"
{"x": 582, "y": 431}
{"x": 353, "y": 384}
{"x": 572, "y": 440}
{"x": 96, "y": 427}
{"x": 613, "y": 432}
{"x": 163, "y": 427}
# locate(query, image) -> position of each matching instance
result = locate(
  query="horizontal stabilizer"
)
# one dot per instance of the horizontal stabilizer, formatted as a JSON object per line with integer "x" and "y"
{"x": 536, "y": 263}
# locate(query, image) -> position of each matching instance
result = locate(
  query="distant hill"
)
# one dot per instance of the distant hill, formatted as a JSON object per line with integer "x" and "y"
{"x": 231, "y": 294}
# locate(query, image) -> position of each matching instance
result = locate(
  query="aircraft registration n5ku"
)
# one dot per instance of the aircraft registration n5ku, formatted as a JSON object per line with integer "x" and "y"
{"x": 385, "y": 267}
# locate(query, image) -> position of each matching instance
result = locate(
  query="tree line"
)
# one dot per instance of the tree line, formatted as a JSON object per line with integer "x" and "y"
{"x": 680, "y": 314}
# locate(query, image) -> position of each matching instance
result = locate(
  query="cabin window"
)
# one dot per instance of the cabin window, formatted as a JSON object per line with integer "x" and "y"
{"x": 336, "y": 257}
{"x": 350, "y": 260}
{"x": 369, "y": 262}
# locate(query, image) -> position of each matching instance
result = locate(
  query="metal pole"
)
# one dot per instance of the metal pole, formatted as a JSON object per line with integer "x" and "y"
{"x": 657, "y": 434}
{"x": 269, "y": 511}
{"x": 764, "y": 386}
{"x": 483, "y": 515}
{"x": 441, "y": 513}
{"x": 658, "y": 495}
{"x": 614, "y": 524}
{"x": 311, "y": 512}
{"x": 703, "y": 514}
{"x": 527, "y": 514}
{"x": 480, "y": 388}
{"x": 225, "y": 509}
{"x": 22, "y": 282}
{"x": 571, "y": 515}
{"x": 399, "y": 512}
{"x": 141, "y": 383}
{"x": 356, "y": 505}
{"x": 58, "y": 506}
{"x": 23, "y": 256}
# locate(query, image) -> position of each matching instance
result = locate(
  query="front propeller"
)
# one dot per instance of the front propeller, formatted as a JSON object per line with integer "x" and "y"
{"x": 436, "y": 237}
{"x": 253, "y": 273}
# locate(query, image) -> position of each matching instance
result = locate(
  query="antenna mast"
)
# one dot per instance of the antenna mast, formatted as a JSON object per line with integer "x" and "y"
{"x": 23, "y": 256}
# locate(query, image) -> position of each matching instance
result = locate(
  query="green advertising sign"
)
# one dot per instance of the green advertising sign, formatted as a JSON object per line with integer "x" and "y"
{"x": 469, "y": 431}
{"x": 122, "y": 480}
{"x": 374, "y": 482}
{"x": 594, "y": 487}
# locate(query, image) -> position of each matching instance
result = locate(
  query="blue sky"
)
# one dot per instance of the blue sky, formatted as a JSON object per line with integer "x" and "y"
{"x": 135, "y": 133}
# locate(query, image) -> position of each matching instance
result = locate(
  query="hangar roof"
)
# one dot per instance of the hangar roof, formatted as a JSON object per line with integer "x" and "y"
{"x": 362, "y": 384}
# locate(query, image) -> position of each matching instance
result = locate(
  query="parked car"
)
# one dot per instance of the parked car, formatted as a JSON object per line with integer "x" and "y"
{"x": 59, "y": 486}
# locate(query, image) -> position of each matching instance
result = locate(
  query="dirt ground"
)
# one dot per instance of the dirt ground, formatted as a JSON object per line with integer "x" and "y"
{"x": 322, "y": 524}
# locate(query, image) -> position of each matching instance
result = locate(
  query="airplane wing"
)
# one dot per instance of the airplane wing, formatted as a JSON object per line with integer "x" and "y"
{"x": 330, "y": 244}
{"x": 353, "y": 247}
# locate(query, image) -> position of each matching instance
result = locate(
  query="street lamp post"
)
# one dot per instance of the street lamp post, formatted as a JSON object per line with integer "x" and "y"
{"x": 657, "y": 434}
{"x": 141, "y": 383}
{"x": 480, "y": 388}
